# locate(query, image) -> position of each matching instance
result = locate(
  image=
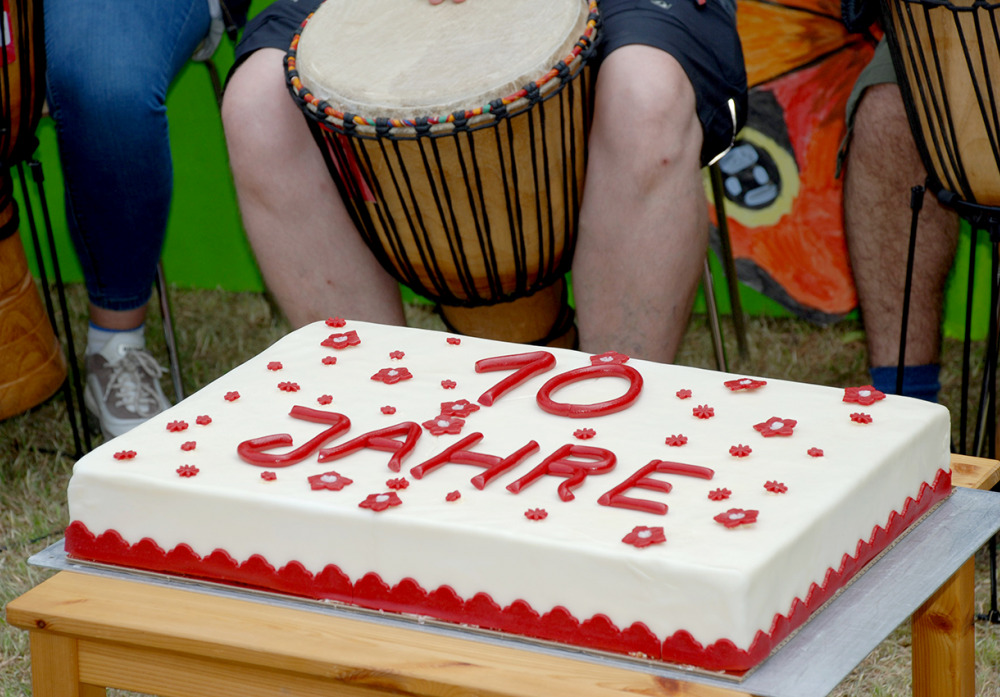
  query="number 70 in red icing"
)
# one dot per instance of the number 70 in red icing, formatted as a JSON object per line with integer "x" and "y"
{"x": 528, "y": 365}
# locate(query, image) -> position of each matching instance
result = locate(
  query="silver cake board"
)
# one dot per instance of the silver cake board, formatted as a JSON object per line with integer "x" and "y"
{"x": 809, "y": 664}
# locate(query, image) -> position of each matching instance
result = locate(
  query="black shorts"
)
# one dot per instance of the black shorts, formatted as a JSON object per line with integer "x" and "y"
{"x": 702, "y": 38}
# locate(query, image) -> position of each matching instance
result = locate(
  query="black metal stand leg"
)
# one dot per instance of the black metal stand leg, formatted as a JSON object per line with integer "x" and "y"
{"x": 72, "y": 409}
{"x": 916, "y": 203}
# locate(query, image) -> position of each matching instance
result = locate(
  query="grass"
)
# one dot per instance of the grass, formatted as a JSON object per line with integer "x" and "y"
{"x": 218, "y": 330}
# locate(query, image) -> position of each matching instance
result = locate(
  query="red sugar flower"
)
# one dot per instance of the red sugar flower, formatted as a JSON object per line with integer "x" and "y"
{"x": 584, "y": 433}
{"x": 703, "y": 411}
{"x": 452, "y": 496}
{"x": 390, "y": 376}
{"x": 776, "y": 427}
{"x": 736, "y": 516}
{"x": 380, "y": 502}
{"x": 442, "y": 424}
{"x": 860, "y": 418}
{"x": 388, "y": 410}
{"x": 740, "y": 450}
{"x": 397, "y": 483}
{"x": 536, "y": 514}
{"x": 329, "y": 360}
{"x": 866, "y": 395}
{"x": 203, "y": 420}
{"x": 719, "y": 494}
{"x": 641, "y": 536}
{"x": 324, "y": 399}
{"x": 775, "y": 487}
{"x": 335, "y": 322}
{"x": 289, "y": 386}
{"x": 124, "y": 455}
{"x": 268, "y": 476}
{"x": 677, "y": 440}
{"x": 189, "y": 445}
{"x": 448, "y": 384}
{"x": 454, "y": 340}
{"x": 232, "y": 396}
{"x": 744, "y": 384}
{"x": 274, "y": 365}
{"x": 176, "y": 426}
{"x": 683, "y": 394}
{"x": 341, "y": 341}
{"x": 396, "y": 355}
{"x": 609, "y": 358}
{"x": 815, "y": 452}
{"x": 462, "y": 407}
{"x": 333, "y": 481}
{"x": 187, "y": 470}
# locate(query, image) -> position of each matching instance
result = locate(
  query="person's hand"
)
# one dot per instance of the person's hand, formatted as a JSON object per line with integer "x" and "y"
{"x": 438, "y": 2}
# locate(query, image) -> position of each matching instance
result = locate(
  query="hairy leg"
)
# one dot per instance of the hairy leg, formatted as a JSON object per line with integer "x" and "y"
{"x": 884, "y": 165}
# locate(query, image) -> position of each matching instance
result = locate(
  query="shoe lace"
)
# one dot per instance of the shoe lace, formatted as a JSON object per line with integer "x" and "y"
{"x": 133, "y": 383}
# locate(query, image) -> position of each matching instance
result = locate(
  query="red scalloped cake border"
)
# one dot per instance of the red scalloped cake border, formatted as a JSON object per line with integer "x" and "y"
{"x": 557, "y": 625}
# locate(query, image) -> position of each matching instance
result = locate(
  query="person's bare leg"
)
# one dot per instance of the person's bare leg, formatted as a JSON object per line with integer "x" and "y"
{"x": 312, "y": 257}
{"x": 883, "y": 167}
{"x": 643, "y": 223}
{"x": 118, "y": 320}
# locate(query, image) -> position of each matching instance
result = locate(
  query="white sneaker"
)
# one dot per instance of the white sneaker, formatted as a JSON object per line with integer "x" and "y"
{"x": 123, "y": 386}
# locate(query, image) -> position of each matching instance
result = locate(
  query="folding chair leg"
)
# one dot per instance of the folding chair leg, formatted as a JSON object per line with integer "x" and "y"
{"x": 721, "y": 363}
{"x": 728, "y": 263}
{"x": 168, "y": 332}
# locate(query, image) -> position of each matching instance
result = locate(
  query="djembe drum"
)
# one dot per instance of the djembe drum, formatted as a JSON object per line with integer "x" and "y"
{"x": 947, "y": 54}
{"x": 947, "y": 57}
{"x": 32, "y": 366}
{"x": 456, "y": 135}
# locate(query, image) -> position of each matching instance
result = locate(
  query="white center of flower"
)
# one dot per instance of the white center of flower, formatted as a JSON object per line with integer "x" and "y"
{"x": 864, "y": 393}
{"x": 393, "y": 372}
{"x": 745, "y": 381}
{"x": 777, "y": 425}
{"x": 340, "y": 339}
{"x": 736, "y": 516}
{"x": 645, "y": 533}
{"x": 382, "y": 498}
{"x": 328, "y": 478}
{"x": 443, "y": 423}
{"x": 606, "y": 359}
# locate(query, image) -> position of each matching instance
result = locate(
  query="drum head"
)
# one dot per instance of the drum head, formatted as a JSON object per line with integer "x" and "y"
{"x": 406, "y": 58}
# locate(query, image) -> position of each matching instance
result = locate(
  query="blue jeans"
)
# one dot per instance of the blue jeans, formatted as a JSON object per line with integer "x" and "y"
{"x": 110, "y": 63}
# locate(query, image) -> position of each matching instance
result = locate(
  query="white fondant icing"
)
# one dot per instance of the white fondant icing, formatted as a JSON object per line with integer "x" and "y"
{"x": 711, "y": 580}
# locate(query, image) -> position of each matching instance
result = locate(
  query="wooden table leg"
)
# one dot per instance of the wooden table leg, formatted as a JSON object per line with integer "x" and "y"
{"x": 944, "y": 650}
{"x": 55, "y": 668}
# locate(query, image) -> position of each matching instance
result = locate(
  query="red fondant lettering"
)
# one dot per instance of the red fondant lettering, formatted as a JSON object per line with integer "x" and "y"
{"x": 579, "y": 411}
{"x": 560, "y": 464}
{"x": 383, "y": 439}
{"x": 524, "y": 365}
{"x": 616, "y": 497}
{"x": 460, "y": 454}
{"x": 256, "y": 450}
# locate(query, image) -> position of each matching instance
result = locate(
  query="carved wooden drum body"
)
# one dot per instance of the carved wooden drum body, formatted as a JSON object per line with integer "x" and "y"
{"x": 32, "y": 366}
{"x": 947, "y": 54}
{"x": 457, "y": 134}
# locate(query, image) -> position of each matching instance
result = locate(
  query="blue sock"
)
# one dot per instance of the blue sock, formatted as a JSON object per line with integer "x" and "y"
{"x": 920, "y": 381}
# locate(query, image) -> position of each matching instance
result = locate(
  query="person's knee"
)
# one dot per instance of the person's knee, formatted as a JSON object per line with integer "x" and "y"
{"x": 259, "y": 118}
{"x": 648, "y": 117}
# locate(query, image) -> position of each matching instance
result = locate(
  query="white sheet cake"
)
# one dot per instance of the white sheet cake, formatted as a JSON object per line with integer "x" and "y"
{"x": 667, "y": 512}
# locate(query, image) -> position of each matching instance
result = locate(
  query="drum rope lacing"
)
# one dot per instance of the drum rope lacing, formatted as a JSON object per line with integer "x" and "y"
{"x": 495, "y": 108}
